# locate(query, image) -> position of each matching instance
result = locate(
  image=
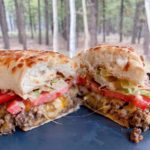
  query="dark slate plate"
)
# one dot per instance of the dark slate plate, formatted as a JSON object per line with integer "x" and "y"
{"x": 82, "y": 130}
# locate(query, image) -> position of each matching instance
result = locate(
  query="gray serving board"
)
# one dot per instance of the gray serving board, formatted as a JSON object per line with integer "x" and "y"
{"x": 82, "y": 130}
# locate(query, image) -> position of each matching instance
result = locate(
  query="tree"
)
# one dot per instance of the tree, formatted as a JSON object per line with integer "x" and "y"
{"x": 66, "y": 23}
{"x": 121, "y": 20}
{"x": 136, "y": 22}
{"x": 93, "y": 21}
{"x": 104, "y": 32}
{"x": 3, "y": 24}
{"x": 146, "y": 42}
{"x": 47, "y": 22}
{"x": 140, "y": 32}
{"x": 20, "y": 23}
{"x": 30, "y": 19}
{"x": 11, "y": 17}
{"x": 147, "y": 8}
{"x": 55, "y": 26}
{"x": 72, "y": 38}
{"x": 11, "y": 22}
{"x": 86, "y": 29}
{"x": 39, "y": 23}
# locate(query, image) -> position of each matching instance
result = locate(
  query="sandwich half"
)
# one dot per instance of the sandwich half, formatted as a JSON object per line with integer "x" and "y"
{"x": 35, "y": 87}
{"x": 112, "y": 82}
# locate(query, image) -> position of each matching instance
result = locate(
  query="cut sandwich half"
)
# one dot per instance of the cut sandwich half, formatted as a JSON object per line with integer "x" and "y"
{"x": 113, "y": 82}
{"x": 35, "y": 87}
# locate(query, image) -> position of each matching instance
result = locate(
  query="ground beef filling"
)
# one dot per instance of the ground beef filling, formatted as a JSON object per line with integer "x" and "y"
{"x": 41, "y": 114}
{"x": 140, "y": 119}
{"x": 136, "y": 136}
{"x": 124, "y": 111}
{"x": 7, "y": 124}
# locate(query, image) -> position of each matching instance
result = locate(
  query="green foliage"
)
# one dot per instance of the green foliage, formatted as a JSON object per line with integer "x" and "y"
{"x": 112, "y": 13}
{"x": 9, "y": 5}
{"x": 33, "y": 5}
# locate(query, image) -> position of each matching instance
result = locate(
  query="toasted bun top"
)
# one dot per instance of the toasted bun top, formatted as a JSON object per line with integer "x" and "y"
{"x": 121, "y": 61}
{"x": 21, "y": 58}
{"x": 25, "y": 70}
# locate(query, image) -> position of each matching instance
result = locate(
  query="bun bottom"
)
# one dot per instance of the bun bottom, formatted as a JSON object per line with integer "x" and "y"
{"x": 112, "y": 117}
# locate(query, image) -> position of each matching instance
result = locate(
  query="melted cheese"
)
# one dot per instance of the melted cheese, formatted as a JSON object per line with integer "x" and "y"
{"x": 103, "y": 106}
{"x": 105, "y": 78}
{"x": 53, "y": 108}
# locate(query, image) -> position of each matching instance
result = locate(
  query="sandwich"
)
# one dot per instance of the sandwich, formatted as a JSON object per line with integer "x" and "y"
{"x": 36, "y": 87}
{"x": 112, "y": 82}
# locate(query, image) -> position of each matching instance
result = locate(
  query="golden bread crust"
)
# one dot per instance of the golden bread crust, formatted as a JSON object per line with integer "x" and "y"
{"x": 25, "y": 70}
{"x": 121, "y": 61}
{"x": 27, "y": 58}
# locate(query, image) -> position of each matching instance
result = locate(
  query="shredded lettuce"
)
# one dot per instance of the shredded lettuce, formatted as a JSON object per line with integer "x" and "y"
{"x": 134, "y": 91}
{"x": 144, "y": 92}
{"x": 122, "y": 85}
{"x": 129, "y": 90}
{"x": 54, "y": 81}
{"x": 36, "y": 93}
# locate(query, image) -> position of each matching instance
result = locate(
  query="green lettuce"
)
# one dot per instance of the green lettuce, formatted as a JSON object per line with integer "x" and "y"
{"x": 144, "y": 92}
{"x": 134, "y": 91}
{"x": 36, "y": 93}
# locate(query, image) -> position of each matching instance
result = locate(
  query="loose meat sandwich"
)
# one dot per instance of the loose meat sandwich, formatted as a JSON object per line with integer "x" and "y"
{"x": 35, "y": 87}
{"x": 113, "y": 83}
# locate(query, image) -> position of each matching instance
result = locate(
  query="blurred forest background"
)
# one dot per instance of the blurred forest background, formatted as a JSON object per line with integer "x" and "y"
{"x": 70, "y": 25}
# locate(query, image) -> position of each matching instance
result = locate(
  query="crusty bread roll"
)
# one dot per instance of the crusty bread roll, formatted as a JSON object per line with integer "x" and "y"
{"x": 25, "y": 70}
{"x": 121, "y": 61}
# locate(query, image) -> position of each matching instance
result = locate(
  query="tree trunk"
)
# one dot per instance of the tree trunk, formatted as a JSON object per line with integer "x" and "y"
{"x": 51, "y": 20}
{"x": 104, "y": 32}
{"x": 65, "y": 24}
{"x": 55, "y": 25}
{"x": 20, "y": 23}
{"x": 93, "y": 22}
{"x": 39, "y": 23}
{"x": 11, "y": 22}
{"x": 139, "y": 33}
{"x": 135, "y": 22}
{"x": 72, "y": 38}
{"x": 99, "y": 26}
{"x": 3, "y": 24}
{"x": 121, "y": 20}
{"x": 30, "y": 19}
{"x": 147, "y": 9}
{"x": 146, "y": 42}
{"x": 147, "y": 32}
{"x": 62, "y": 15}
{"x": 86, "y": 29}
{"x": 47, "y": 22}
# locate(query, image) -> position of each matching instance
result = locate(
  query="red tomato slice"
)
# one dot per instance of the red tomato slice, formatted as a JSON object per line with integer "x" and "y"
{"x": 112, "y": 94}
{"x": 6, "y": 97}
{"x": 81, "y": 80}
{"x": 15, "y": 107}
{"x": 47, "y": 97}
{"x": 141, "y": 102}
